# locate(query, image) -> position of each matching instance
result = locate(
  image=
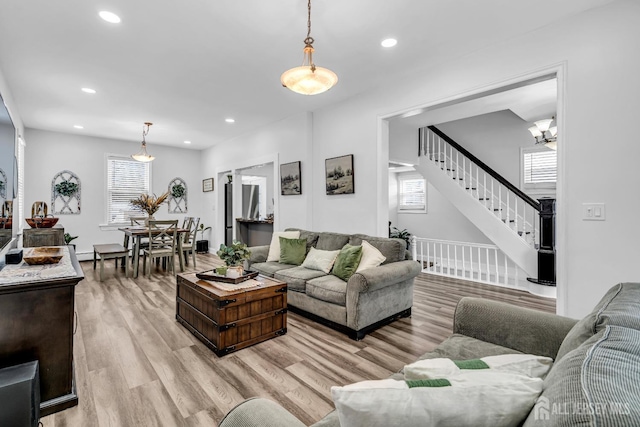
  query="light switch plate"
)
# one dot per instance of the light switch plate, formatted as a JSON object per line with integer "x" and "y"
{"x": 593, "y": 212}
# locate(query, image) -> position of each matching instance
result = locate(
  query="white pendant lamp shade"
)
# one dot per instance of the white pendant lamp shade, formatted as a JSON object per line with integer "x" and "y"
{"x": 308, "y": 79}
{"x": 142, "y": 155}
{"x": 544, "y": 133}
{"x": 543, "y": 125}
{"x": 535, "y": 131}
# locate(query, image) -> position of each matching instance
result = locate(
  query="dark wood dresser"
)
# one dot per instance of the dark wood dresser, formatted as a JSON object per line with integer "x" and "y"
{"x": 37, "y": 323}
{"x": 228, "y": 320}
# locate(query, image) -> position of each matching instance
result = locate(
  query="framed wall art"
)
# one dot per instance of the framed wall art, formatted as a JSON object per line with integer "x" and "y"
{"x": 290, "y": 179}
{"x": 339, "y": 175}
{"x": 207, "y": 184}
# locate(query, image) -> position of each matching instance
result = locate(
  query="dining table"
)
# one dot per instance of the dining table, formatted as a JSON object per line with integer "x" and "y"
{"x": 137, "y": 233}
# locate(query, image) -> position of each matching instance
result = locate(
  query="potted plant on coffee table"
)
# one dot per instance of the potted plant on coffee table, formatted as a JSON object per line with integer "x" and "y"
{"x": 233, "y": 257}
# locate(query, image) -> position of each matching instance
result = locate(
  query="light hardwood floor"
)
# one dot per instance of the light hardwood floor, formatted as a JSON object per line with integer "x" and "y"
{"x": 136, "y": 366}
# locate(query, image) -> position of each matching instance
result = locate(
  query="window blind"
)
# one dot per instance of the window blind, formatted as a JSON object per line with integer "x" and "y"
{"x": 540, "y": 166}
{"x": 413, "y": 195}
{"x": 126, "y": 179}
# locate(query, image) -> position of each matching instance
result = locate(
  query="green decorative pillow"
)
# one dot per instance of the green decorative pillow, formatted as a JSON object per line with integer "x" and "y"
{"x": 347, "y": 261}
{"x": 292, "y": 251}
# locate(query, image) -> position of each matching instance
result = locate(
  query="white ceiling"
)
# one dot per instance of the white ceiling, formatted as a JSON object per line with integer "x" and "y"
{"x": 530, "y": 102}
{"x": 187, "y": 65}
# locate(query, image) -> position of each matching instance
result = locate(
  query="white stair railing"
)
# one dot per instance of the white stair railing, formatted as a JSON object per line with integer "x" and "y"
{"x": 517, "y": 210}
{"x": 468, "y": 261}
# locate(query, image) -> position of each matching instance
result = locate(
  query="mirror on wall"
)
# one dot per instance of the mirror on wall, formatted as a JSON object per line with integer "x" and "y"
{"x": 7, "y": 174}
{"x": 257, "y": 191}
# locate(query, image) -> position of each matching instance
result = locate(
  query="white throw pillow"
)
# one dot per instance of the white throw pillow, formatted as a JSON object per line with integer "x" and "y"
{"x": 274, "y": 248}
{"x": 320, "y": 260}
{"x": 371, "y": 257}
{"x": 524, "y": 364}
{"x": 488, "y": 399}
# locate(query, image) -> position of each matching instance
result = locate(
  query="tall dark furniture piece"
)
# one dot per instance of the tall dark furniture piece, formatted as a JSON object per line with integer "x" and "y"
{"x": 228, "y": 214}
{"x": 37, "y": 323}
{"x": 547, "y": 250}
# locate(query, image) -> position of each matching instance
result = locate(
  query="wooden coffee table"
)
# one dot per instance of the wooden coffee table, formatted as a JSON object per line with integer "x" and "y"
{"x": 228, "y": 320}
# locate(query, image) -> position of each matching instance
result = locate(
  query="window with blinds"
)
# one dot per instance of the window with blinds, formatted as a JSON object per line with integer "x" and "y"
{"x": 126, "y": 180}
{"x": 412, "y": 195}
{"x": 539, "y": 167}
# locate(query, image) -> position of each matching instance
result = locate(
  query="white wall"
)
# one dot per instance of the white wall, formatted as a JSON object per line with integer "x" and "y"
{"x": 599, "y": 49}
{"x": 48, "y": 153}
{"x": 282, "y": 142}
{"x": 441, "y": 221}
{"x": 494, "y": 138}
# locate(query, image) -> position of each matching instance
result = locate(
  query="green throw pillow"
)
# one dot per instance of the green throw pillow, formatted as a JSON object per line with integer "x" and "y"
{"x": 292, "y": 251}
{"x": 347, "y": 261}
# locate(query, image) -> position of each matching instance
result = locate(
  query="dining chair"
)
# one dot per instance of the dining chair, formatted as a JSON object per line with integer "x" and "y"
{"x": 137, "y": 221}
{"x": 189, "y": 241}
{"x": 186, "y": 222}
{"x": 162, "y": 243}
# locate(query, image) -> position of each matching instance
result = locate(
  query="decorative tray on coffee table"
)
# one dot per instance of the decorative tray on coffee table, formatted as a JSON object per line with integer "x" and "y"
{"x": 215, "y": 277}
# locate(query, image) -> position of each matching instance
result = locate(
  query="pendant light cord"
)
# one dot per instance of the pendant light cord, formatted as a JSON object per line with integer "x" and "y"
{"x": 309, "y": 40}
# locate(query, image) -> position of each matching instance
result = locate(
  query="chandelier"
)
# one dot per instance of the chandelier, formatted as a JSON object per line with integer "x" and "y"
{"x": 308, "y": 79}
{"x": 544, "y": 133}
{"x": 142, "y": 155}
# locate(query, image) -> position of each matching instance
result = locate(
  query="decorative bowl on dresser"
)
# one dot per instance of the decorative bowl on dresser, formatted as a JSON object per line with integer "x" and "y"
{"x": 227, "y": 317}
{"x": 47, "y": 222}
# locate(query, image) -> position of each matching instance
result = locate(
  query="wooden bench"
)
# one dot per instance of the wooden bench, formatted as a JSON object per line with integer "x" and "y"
{"x": 110, "y": 251}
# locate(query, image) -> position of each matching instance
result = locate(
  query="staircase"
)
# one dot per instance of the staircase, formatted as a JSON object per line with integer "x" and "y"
{"x": 506, "y": 215}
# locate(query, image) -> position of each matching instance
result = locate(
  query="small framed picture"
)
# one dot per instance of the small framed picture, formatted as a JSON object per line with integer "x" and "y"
{"x": 207, "y": 184}
{"x": 339, "y": 175}
{"x": 290, "y": 179}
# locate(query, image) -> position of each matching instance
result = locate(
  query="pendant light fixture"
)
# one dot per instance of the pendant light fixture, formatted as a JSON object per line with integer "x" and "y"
{"x": 142, "y": 155}
{"x": 308, "y": 79}
{"x": 544, "y": 133}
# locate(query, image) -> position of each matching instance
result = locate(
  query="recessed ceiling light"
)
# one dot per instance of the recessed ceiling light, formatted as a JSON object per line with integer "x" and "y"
{"x": 78, "y": 127}
{"x": 389, "y": 42}
{"x": 110, "y": 17}
{"x": 88, "y": 90}
{"x": 230, "y": 120}
{"x": 187, "y": 142}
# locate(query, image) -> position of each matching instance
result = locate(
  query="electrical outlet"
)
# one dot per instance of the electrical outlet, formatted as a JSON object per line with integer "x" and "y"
{"x": 593, "y": 212}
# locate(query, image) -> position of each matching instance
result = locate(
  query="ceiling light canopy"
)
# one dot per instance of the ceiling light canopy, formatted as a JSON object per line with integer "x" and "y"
{"x": 110, "y": 17}
{"x": 142, "y": 155}
{"x": 544, "y": 133}
{"x": 308, "y": 79}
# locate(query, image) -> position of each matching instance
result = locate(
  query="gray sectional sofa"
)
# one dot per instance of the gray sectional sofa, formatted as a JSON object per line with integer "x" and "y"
{"x": 593, "y": 381}
{"x": 369, "y": 299}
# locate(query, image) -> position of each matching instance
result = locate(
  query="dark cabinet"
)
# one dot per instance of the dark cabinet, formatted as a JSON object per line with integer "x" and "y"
{"x": 37, "y": 323}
